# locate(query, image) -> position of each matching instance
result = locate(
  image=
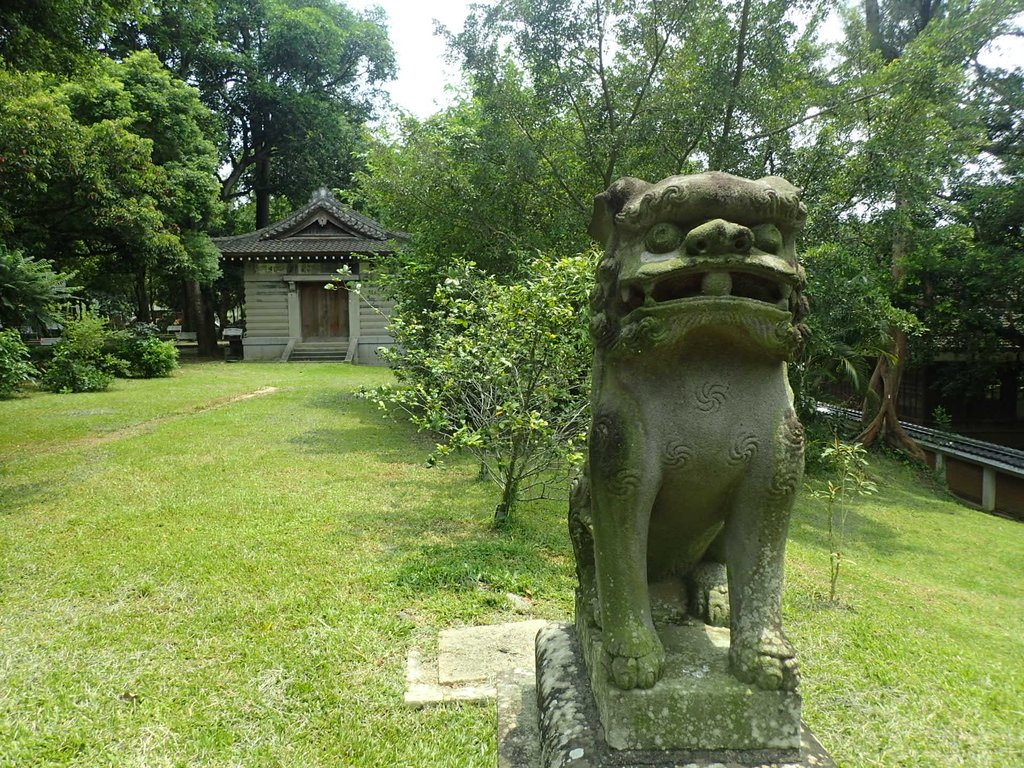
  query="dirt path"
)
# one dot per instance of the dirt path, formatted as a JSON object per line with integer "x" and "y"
{"x": 134, "y": 430}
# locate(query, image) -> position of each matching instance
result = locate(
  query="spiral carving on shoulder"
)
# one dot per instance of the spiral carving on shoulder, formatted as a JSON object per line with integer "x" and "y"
{"x": 624, "y": 482}
{"x": 676, "y": 454}
{"x": 744, "y": 449}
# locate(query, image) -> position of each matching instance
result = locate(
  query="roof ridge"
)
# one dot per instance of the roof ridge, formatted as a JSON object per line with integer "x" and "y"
{"x": 366, "y": 226}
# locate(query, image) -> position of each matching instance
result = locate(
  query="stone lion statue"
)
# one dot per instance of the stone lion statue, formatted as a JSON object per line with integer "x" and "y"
{"x": 695, "y": 450}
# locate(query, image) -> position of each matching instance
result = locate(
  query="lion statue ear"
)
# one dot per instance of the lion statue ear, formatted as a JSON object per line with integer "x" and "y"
{"x": 609, "y": 203}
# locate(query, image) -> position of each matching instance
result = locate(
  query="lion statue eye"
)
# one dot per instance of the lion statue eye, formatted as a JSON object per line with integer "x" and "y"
{"x": 663, "y": 237}
{"x": 768, "y": 238}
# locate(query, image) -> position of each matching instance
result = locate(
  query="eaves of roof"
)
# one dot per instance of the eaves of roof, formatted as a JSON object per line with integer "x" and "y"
{"x": 298, "y": 246}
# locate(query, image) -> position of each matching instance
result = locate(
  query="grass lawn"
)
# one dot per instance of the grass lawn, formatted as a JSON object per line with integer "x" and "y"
{"x": 227, "y": 567}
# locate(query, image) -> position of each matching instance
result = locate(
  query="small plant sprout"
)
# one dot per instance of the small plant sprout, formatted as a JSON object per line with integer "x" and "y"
{"x": 848, "y": 463}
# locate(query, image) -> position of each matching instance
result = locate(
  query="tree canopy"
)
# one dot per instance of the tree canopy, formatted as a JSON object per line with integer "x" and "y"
{"x": 109, "y": 174}
{"x": 128, "y": 128}
{"x": 131, "y": 129}
{"x": 57, "y": 35}
{"x": 908, "y": 147}
{"x": 293, "y": 80}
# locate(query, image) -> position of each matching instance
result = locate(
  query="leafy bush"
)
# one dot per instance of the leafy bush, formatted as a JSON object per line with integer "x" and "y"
{"x": 82, "y": 360}
{"x": 501, "y": 371}
{"x": 66, "y": 374}
{"x": 145, "y": 355}
{"x": 88, "y": 339}
{"x": 15, "y": 369}
{"x": 850, "y": 321}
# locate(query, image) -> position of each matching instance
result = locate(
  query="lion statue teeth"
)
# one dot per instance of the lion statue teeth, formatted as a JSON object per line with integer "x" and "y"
{"x": 695, "y": 451}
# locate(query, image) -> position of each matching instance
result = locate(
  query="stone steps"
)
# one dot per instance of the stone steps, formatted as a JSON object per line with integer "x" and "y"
{"x": 319, "y": 352}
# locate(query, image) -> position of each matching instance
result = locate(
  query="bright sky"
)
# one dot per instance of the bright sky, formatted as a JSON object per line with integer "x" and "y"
{"x": 423, "y": 74}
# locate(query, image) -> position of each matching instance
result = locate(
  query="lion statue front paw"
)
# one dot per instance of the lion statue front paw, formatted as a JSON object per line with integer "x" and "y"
{"x": 766, "y": 660}
{"x": 635, "y": 660}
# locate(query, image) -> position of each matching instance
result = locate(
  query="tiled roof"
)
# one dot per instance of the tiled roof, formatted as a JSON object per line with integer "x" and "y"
{"x": 285, "y": 238}
{"x": 325, "y": 202}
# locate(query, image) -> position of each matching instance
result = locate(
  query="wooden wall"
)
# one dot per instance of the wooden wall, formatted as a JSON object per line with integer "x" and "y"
{"x": 374, "y": 316}
{"x": 266, "y": 313}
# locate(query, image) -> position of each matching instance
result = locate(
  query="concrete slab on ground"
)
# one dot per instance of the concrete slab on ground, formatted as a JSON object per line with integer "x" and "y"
{"x": 472, "y": 662}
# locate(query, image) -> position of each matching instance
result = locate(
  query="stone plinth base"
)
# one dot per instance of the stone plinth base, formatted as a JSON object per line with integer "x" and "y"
{"x": 698, "y": 703}
{"x": 572, "y": 736}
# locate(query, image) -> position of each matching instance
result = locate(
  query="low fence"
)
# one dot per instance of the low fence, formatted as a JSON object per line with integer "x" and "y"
{"x": 987, "y": 475}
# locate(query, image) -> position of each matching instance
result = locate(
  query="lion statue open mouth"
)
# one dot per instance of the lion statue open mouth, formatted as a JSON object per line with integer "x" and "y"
{"x": 695, "y": 451}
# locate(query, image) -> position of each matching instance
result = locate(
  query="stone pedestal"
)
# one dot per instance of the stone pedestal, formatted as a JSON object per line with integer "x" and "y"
{"x": 573, "y": 734}
{"x": 698, "y": 703}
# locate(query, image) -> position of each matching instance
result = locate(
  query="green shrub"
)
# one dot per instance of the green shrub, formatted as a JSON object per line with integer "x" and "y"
{"x": 88, "y": 339}
{"x": 501, "y": 372}
{"x": 82, "y": 360}
{"x": 146, "y": 356}
{"x": 29, "y": 289}
{"x": 66, "y": 374}
{"x": 15, "y": 369}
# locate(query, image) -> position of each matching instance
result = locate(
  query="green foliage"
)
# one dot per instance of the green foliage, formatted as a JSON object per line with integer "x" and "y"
{"x": 82, "y": 360}
{"x": 852, "y": 313}
{"x": 88, "y": 338}
{"x": 888, "y": 170}
{"x": 565, "y": 96}
{"x": 468, "y": 186}
{"x": 90, "y": 354}
{"x": 57, "y": 35}
{"x": 293, "y": 80}
{"x": 67, "y": 374}
{"x": 29, "y": 289}
{"x": 146, "y": 356}
{"x": 15, "y": 368}
{"x": 644, "y": 88}
{"x": 501, "y": 371}
{"x": 848, "y": 466}
{"x": 942, "y": 419}
{"x": 109, "y": 174}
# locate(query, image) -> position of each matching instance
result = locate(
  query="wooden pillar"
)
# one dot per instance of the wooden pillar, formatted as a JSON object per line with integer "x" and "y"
{"x": 294, "y": 316}
{"x": 353, "y": 326}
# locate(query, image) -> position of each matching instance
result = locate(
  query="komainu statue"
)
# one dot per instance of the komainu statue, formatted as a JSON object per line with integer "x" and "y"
{"x": 695, "y": 450}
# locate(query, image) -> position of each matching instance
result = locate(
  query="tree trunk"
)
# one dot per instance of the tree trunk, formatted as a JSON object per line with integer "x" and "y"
{"x": 511, "y": 476}
{"x": 873, "y": 22}
{"x": 888, "y": 374}
{"x": 737, "y": 78}
{"x": 503, "y": 512}
{"x": 206, "y": 333}
{"x": 261, "y": 189}
{"x": 884, "y": 425}
{"x": 223, "y": 301}
{"x": 143, "y": 311}
{"x": 261, "y": 182}
{"x": 201, "y": 319}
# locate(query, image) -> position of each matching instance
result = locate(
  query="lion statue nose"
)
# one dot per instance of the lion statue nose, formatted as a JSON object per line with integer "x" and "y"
{"x": 718, "y": 237}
